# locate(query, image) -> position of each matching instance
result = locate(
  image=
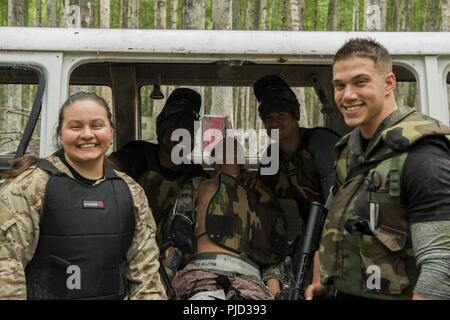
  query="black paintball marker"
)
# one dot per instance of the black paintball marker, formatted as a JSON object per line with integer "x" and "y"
{"x": 182, "y": 237}
{"x": 162, "y": 270}
{"x": 309, "y": 245}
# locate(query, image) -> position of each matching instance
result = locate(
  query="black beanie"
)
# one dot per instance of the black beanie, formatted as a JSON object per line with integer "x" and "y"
{"x": 275, "y": 95}
{"x": 180, "y": 111}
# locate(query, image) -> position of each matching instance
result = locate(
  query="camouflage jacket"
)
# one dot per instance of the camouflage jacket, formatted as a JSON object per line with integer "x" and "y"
{"x": 298, "y": 182}
{"x": 20, "y": 213}
{"x": 248, "y": 221}
{"x": 139, "y": 159}
{"x": 367, "y": 233}
{"x": 255, "y": 229}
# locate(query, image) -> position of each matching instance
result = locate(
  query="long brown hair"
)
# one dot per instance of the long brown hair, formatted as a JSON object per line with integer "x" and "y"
{"x": 21, "y": 164}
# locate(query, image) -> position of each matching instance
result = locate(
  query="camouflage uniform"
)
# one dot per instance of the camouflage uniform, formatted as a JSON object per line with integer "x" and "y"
{"x": 304, "y": 176}
{"x": 20, "y": 214}
{"x": 367, "y": 224}
{"x": 139, "y": 159}
{"x": 248, "y": 223}
{"x": 297, "y": 181}
{"x": 161, "y": 193}
{"x": 297, "y": 184}
{"x": 195, "y": 281}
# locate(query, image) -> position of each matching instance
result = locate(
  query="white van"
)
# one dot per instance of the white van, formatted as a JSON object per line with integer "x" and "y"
{"x": 126, "y": 64}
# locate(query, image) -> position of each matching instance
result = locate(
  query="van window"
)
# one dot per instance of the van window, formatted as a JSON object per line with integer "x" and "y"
{"x": 18, "y": 92}
{"x": 311, "y": 82}
{"x": 21, "y": 91}
{"x": 244, "y": 108}
{"x": 406, "y": 91}
{"x": 16, "y": 101}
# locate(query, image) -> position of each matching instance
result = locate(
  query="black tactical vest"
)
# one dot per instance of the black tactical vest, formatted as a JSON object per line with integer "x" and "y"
{"x": 85, "y": 233}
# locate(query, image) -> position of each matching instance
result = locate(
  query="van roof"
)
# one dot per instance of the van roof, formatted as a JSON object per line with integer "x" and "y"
{"x": 214, "y": 42}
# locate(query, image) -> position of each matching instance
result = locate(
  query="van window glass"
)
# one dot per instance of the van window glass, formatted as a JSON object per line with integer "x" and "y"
{"x": 406, "y": 90}
{"x": 242, "y": 102}
{"x": 16, "y": 101}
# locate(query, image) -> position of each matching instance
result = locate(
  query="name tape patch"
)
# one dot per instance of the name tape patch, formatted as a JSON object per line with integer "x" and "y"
{"x": 93, "y": 204}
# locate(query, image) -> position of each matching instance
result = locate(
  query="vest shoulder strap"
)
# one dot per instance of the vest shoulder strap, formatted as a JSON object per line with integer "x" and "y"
{"x": 366, "y": 166}
{"x": 47, "y": 166}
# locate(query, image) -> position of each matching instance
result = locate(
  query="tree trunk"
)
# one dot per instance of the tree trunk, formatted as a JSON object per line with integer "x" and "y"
{"x": 247, "y": 114}
{"x": 430, "y": 16}
{"x": 123, "y": 14}
{"x": 355, "y": 16}
{"x": 62, "y": 13}
{"x": 105, "y": 23}
{"x": 445, "y": 15}
{"x": 285, "y": 15}
{"x": 87, "y": 14}
{"x": 222, "y": 97}
{"x": 194, "y": 14}
{"x": 133, "y": 14}
{"x": 38, "y": 17}
{"x": 15, "y": 122}
{"x": 194, "y": 18}
{"x": 16, "y": 13}
{"x": 263, "y": 15}
{"x": 160, "y": 14}
{"x": 315, "y": 15}
{"x": 160, "y": 23}
{"x": 105, "y": 14}
{"x": 297, "y": 14}
{"x": 72, "y": 14}
{"x": 297, "y": 18}
{"x": 251, "y": 16}
{"x": 375, "y": 15}
{"x": 173, "y": 25}
{"x": 222, "y": 12}
{"x": 235, "y": 14}
{"x": 173, "y": 14}
{"x": 400, "y": 14}
{"x": 51, "y": 13}
{"x": 333, "y": 9}
{"x": 302, "y": 13}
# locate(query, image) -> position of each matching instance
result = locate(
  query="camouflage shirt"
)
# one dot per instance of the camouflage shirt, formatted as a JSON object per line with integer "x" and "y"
{"x": 139, "y": 159}
{"x": 20, "y": 213}
{"x": 304, "y": 176}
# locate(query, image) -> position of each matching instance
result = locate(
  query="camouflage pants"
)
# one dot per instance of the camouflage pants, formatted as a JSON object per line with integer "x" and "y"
{"x": 195, "y": 279}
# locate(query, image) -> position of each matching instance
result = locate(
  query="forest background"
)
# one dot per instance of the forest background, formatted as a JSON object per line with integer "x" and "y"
{"x": 292, "y": 15}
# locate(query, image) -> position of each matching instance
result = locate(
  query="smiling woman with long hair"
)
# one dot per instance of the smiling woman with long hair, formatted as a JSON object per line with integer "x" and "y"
{"x": 71, "y": 227}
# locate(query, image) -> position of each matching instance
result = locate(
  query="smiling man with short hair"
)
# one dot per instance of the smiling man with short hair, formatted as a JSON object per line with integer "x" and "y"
{"x": 387, "y": 234}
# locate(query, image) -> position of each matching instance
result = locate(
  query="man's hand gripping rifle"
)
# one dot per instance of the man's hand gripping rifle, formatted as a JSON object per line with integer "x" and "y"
{"x": 309, "y": 246}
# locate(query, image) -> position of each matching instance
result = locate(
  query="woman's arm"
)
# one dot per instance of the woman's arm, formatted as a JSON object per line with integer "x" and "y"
{"x": 142, "y": 256}
{"x": 20, "y": 209}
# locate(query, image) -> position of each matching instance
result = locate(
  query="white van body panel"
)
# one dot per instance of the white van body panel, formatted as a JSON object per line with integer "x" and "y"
{"x": 59, "y": 51}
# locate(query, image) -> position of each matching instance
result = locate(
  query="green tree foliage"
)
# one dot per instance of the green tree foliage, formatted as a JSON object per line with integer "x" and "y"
{"x": 424, "y": 15}
{"x": 401, "y": 15}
